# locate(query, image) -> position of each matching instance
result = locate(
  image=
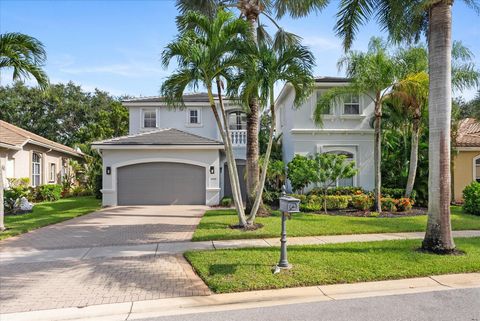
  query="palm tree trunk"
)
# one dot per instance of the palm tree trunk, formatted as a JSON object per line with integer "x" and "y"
{"x": 253, "y": 120}
{"x": 228, "y": 151}
{"x": 438, "y": 237}
{"x": 412, "y": 171}
{"x": 2, "y": 224}
{"x": 377, "y": 155}
{"x": 258, "y": 198}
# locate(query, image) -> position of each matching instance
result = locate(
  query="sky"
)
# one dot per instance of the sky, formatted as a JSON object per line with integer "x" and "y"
{"x": 116, "y": 46}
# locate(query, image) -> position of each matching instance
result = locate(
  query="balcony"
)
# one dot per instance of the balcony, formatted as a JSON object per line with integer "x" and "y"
{"x": 238, "y": 137}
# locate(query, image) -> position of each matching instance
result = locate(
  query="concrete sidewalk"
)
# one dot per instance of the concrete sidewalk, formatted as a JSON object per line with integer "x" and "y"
{"x": 234, "y": 301}
{"x": 163, "y": 248}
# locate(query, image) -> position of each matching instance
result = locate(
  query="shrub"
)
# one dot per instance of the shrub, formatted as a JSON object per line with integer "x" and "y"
{"x": 97, "y": 185}
{"x": 389, "y": 204}
{"x": 11, "y": 195}
{"x": 18, "y": 182}
{"x": 50, "y": 192}
{"x": 226, "y": 202}
{"x": 80, "y": 191}
{"x": 316, "y": 203}
{"x": 404, "y": 204}
{"x": 270, "y": 197}
{"x": 347, "y": 190}
{"x": 471, "y": 196}
{"x": 396, "y": 193}
{"x": 362, "y": 202}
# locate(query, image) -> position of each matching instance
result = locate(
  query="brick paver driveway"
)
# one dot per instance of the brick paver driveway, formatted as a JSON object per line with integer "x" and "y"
{"x": 57, "y": 284}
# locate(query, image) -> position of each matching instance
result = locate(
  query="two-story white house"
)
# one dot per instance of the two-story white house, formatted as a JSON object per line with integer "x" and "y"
{"x": 346, "y": 129}
{"x": 175, "y": 156}
{"x": 171, "y": 156}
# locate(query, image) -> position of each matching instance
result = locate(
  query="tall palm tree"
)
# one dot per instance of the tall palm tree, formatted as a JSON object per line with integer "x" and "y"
{"x": 371, "y": 73}
{"x": 26, "y": 56}
{"x": 251, "y": 11}
{"x": 206, "y": 51}
{"x": 257, "y": 78}
{"x": 407, "y": 20}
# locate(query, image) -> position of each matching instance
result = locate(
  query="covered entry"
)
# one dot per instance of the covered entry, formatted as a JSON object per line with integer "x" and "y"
{"x": 161, "y": 183}
{"x": 241, "y": 176}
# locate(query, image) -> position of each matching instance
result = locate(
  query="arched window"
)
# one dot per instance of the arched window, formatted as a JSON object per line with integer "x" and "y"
{"x": 36, "y": 169}
{"x": 349, "y": 157}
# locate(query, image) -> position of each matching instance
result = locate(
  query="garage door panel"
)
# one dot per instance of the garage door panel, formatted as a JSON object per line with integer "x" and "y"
{"x": 161, "y": 183}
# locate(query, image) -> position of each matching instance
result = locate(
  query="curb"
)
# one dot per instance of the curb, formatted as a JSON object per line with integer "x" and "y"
{"x": 254, "y": 299}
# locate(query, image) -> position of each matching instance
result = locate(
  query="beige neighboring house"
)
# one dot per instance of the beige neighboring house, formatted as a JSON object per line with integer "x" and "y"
{"x": 466, "y": 167}
{"x": 25, "y": 154}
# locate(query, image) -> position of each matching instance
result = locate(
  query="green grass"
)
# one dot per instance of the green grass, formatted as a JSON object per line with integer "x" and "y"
{"x": 250, "y": 269}
{"x": 49, "y": 213}
{"x": 215, "y": 225}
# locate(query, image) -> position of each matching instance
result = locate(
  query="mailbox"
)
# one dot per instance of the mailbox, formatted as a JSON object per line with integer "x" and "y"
{"x": 289, "y": 204}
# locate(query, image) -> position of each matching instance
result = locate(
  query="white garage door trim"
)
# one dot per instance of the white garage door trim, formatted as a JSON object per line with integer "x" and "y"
{"x": 154, "y": 160}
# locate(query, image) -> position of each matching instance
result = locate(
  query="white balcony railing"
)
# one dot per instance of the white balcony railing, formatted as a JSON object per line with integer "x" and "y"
{"x": 239, "y": 137}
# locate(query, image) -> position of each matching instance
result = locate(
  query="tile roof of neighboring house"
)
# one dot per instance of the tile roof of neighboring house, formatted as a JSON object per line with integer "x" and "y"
{"x": 197, "y": 97}
{"x": 332, "y": 79}
{"x": 468, "y": 134}
{"x": 16, "y": 137}
{"x": 167, "y": 136}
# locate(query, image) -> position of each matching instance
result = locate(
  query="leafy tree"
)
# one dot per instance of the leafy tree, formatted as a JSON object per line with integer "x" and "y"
{"x": 470, "y": 109}
{"x": 329, "y": 168}
{"x": 251, "y": 11}
{"x": 26, "y": 56}
{"x": 301, "y": 171}
{"x": 406, "y": 21}
{"x": 206, "y": 51}
{"x": 371, "y": 73}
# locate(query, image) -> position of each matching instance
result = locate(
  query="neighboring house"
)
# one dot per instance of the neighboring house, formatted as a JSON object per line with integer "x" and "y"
{"x": 346, "y": 129}
{"x": 25, "y": 154}
{"x": 466, "y": 160}
{"x": 175, "y": 156}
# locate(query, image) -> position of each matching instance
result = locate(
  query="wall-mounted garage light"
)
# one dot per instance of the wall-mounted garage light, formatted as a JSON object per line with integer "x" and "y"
{"x": 108, "y": 170}
{"x": 212, "y": 170}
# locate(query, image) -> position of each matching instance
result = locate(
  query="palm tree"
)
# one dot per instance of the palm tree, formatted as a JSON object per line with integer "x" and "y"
{"x": 251, "y": 11}
{"x": 412, "y": 91}
{"x": 206, "y": 51}
{"x": 371, "y": 73}
{"x": 26, "y": 56}
{"x": 405, "y": 21}
{"x": 259, "y": 73}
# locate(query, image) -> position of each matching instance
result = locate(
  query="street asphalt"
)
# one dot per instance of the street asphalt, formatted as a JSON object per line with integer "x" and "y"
{"x": 452, "y": 305}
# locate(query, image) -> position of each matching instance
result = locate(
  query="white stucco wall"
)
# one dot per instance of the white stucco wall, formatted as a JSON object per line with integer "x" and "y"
{"x": 201, "y": 157}
{"x": 352, "y": 133}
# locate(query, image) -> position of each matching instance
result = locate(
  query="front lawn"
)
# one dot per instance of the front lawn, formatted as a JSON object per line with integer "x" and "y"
{"x": 49, "y": 213}
{"x": 250, "y": 269}
{"x": 215, "y": 225}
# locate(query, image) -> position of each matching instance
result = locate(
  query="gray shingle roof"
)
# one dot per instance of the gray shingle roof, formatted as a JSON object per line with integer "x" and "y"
{"x": 197, "y": 97}
{"x": 167, "y": 136}
{"x": 332, "y": 79}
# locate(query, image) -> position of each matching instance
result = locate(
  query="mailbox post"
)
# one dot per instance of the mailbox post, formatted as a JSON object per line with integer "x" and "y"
{"x": 288, "y": 205}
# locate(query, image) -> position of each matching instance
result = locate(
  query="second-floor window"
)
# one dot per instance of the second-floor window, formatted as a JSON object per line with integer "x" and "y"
{"x": 351, "y": 105}
{"x": 149, "y": 118}
{"x": 237, "y": 120}
{"x": 193, "y": 116}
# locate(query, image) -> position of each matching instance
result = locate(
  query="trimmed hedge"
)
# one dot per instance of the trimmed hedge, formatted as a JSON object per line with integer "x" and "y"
{"x": 347, "y": 190}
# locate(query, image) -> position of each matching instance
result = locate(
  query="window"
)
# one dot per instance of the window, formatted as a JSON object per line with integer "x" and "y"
{"x": 343, "y": 182}
{"x": 194, "y": 116}
{"x": 351, "y": 105}
{"x": 237, "y": 120}
{"x": 36, "y": 169}
{"x": 53, "y": 172}
{"x": 326, "y": 111}
{"x": 477, "y": 169}
{"x": 64, "y": 171}
{"x": 149, "y": 118}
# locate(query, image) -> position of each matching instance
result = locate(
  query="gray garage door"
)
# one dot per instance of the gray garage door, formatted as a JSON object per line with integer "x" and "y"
{"x": 161, "y": 183}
